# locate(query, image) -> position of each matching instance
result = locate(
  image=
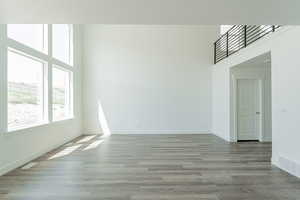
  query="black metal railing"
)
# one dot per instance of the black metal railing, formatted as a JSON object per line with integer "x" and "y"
{"x": 238, "y": 37}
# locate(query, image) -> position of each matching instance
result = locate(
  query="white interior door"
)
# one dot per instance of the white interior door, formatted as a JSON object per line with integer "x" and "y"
{"x": 248, "y": 109}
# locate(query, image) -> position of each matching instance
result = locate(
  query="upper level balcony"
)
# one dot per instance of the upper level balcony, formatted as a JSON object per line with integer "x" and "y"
{"x": 238, "y": 37}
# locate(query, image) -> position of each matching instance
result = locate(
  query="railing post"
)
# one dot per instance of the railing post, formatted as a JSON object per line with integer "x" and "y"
{"x": 273, "y": 28}
{"x": 227, "y": 44}
{"x": 215, "y": 52}
{"x": 245, "y": 35}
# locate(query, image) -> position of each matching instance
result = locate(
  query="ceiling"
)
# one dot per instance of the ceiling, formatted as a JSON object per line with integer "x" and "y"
{"x": 202, "y": 12}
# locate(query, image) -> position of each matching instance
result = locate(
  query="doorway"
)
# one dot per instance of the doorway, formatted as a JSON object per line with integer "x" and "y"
{"x": 248, "y": 109}
{"x": 251, "y": 100}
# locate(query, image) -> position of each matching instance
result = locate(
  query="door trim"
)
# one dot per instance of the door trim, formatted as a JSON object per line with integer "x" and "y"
{"x": 234, "y": 109}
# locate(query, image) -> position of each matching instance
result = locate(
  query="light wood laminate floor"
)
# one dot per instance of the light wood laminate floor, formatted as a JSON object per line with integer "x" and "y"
{"x": 156, "y": 167}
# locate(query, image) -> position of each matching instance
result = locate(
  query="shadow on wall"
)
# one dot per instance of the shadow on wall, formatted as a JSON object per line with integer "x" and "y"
{"x": 102, "y": 120}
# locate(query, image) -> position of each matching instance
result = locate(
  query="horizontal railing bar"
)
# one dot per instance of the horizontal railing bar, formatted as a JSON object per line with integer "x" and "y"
{"x": 221, "y": 55}
{"x": 249, "y": 30}
{"x": 251, "y": 41}
{"x": 232, "y": 39}
{"x": 222, "y": 47}
{"x": 258, "y": 34}
{"x": 255, "y": 31}
{"x": 238, "y": 37}
{"x": 221, "y": 41}
{"x": 259, "y": 28}
{"x": 237, "y": 46}
{"x": 237, "y": 42}
{"x": 229, "y": 30}
{"x": 235, "y": 29}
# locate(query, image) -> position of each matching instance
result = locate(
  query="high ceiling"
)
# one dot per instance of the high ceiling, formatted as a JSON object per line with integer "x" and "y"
{"x": 206, "y": 12}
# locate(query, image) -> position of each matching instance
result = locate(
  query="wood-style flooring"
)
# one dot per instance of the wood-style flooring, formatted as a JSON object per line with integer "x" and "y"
{"x": 152, "y": 167}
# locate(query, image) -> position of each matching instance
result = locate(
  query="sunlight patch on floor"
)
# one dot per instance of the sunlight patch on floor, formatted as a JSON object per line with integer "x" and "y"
{"x": 86, "y": 139}
{"x": 93, "y": 145}
{"x": 65, "y": 151}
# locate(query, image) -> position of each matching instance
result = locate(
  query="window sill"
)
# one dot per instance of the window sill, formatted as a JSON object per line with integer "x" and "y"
{"x": 63, "y": 119}
{"x": 21, "y": 128}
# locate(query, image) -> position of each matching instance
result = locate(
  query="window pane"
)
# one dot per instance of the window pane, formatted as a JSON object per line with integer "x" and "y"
{"x": 61, "y": 94}
{"x": 33, "y": 35}
{"x": 62, "y": 46}
{"x": 25, "y": 91}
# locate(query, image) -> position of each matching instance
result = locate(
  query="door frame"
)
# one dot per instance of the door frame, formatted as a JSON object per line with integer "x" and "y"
{"x": 234, "y": 104}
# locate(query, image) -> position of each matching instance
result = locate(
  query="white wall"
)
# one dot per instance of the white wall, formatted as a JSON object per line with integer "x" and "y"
{"x": 19, "y": 147}
{"x": 284, "y": 48}
{"x": 148, "y": 79}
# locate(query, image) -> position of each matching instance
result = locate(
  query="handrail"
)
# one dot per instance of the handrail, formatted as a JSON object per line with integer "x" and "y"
{"x": 238, "y": 37}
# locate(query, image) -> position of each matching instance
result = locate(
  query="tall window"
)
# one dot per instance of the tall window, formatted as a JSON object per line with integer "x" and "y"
{"x": 62, "y": 42}
{"x": 25, "y": 90}
{"x": 32, "y": 35}
{"x": 32, "y": 78}
{"x": 61, "y": 93}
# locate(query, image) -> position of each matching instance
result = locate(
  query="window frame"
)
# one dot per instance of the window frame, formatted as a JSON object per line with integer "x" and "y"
{"x": 71, "y": 46}
{"x": 45, "y": 38}
{"x": 46, "y": 57}
{"x": 70, "y": 114}
{"x": 43, "y": 94}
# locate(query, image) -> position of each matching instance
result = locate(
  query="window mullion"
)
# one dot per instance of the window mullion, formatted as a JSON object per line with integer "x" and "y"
{"x": 49, "y": 80}
{"x": 71, "y": 94}
{"x": 71, "y": 45}
{"x": 3, "y": 79}
{"x": 61, "y": 64}
{"x": 27, "y": 50}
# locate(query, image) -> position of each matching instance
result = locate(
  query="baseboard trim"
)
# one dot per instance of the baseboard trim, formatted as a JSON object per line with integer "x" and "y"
{"x": 221, "y": 137}
{"x": 16, "y": 164}
{"x": 160, "y": 132}
{"x": 144, "y": 132}
{"x": 287, "y": 165}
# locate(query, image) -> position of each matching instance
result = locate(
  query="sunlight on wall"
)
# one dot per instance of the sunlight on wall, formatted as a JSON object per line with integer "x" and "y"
{"x": 102, "y": 120}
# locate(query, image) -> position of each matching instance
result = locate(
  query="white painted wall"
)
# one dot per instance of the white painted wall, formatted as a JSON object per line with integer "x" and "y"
{"x": 284, "y": 48}
{"x": 19, "y": 147}
{"x": 148, "y": 79}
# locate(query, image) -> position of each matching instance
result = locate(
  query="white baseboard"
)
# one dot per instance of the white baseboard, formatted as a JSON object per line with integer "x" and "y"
{"x": 221, "y": 137}
{"x": 160, "y": 132}
{"x": 290, "y": 166}
{"x": 14, "y": 165}
{"x": 125, "y": 132}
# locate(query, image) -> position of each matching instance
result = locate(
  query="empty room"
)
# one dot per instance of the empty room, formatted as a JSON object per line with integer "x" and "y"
{"x": 149, "y": 100}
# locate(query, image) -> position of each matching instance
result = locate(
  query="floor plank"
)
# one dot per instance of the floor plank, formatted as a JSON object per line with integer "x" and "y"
{"x": 158, "y": 167}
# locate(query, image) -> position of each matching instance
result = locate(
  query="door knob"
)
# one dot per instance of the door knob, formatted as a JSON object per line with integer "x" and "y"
{"x": 258, "y": 113}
